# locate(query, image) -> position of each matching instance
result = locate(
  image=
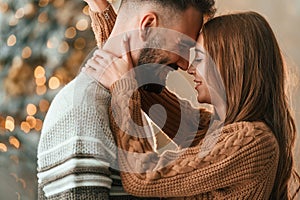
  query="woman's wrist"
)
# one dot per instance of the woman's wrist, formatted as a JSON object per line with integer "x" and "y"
{"x": 124, "y": 84}
{"x": 98, "y": 5}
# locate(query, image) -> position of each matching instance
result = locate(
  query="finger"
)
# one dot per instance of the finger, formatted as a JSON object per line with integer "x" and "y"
{"x": 92, "y": 63}
{"x": 126, "y": 49}
{"x": 104, "y": 54}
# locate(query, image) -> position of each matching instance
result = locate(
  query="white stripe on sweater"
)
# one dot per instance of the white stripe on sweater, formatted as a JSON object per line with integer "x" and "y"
{"x": 73, "y": 140}
{"x": 73, "y": 181}
{"x": 70, "y": 165}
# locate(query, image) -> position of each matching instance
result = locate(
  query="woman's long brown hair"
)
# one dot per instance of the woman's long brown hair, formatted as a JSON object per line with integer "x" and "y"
{"x": 247, "y": 54}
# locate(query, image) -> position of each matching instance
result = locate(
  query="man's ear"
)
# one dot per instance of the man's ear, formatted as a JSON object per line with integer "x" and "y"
{"x": 148, "y": 21}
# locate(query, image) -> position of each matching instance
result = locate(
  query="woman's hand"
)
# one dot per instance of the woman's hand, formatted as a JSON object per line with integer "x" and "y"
{"x": 107, "y": 68}
{"x": 97, "y": 5}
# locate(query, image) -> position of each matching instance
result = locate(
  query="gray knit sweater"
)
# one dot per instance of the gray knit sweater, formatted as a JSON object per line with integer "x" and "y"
{"x": 77, "y": 152}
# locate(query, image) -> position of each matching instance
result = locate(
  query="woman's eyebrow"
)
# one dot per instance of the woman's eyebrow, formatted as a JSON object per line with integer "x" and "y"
{"x": 199, "y": 50}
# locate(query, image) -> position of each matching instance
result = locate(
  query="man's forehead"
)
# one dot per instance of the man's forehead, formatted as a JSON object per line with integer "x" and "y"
{"x": 190, "y": 23}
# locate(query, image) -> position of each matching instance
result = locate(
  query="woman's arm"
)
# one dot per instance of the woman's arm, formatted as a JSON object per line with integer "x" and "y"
{"x": 244, "y": 152}
{"x": 103, "y": 19}
{"x": 178, "y": 114}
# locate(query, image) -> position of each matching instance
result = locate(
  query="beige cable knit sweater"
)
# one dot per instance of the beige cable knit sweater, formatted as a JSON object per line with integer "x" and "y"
{"x": 241, "y": 165}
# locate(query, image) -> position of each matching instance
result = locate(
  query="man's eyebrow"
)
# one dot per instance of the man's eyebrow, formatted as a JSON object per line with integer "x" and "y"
{"x": 189, "y": 43}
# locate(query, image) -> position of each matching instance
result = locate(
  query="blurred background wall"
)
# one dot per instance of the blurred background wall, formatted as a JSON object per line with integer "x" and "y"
{"x": 42, "y": 44}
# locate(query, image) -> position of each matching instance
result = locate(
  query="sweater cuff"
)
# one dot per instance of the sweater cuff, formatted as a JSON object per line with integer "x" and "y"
{"x": 123, "y": 85}
{"x": 107, "y": 14}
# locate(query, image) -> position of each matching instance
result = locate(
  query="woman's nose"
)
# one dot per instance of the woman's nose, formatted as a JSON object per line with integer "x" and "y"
{"x": 192, "y": 69}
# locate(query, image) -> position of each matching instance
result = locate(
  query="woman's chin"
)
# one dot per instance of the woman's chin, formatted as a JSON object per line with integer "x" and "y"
{"x": 203, "y": 99}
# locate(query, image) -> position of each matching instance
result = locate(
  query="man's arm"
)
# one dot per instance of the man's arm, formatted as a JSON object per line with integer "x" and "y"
{"x": 76, "y": 147}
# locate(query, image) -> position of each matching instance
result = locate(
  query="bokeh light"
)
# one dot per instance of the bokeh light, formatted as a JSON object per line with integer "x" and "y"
{"x": 10, "y": 123}
{"x": 70, "y": 32}
{"x": 3, "y": 147}
{"x": 80, "y": 43}
{"x": 31, "y": 109}
{"x": 54, "y": 83}
{"x": 26, "y": 53}
{"x": 82, "y": 24}
{"x": 20, "y": 13}
{"x": 11, "y": 40}
{"x": 41, "y": 90}
{"x": 14, "y": 142}
{"x": 63, "y": 47}
{"x": 39, "y": 72}
{"x": 44, "y": 105}
{"x": 25, "y": 127}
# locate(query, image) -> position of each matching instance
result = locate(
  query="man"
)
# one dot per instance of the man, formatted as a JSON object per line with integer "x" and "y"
{"x": 77, "y": 153}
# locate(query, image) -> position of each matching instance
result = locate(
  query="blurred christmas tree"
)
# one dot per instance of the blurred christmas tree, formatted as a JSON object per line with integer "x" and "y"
{"x": 42, "y": 45}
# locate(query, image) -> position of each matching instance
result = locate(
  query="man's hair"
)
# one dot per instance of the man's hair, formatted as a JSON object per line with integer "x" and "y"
{"x": 206, "y": 7}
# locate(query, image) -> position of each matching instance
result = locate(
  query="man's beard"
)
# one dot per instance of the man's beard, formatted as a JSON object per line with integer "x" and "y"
{"x": 151, "y": 71}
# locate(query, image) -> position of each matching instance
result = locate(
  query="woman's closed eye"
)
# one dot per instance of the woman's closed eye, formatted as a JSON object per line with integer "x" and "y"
{"x": 198, "y": 59}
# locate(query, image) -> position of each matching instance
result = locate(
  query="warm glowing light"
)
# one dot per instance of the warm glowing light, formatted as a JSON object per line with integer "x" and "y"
{"x": 3, "y": 7}
{"x": 54, "y": 83}
{"x": 13, "y": 21}
{"x": 9, "y": 123}
{"x": 29, "y": 9}
{"x": 70, "y": 32}
{"x": 25, "y": 127}
{"x": 40, "y": 90}
{"x": 31, "y": 109}
{"x": 11, "y": 40}
{"x": 2, "y": 123}
{"x": 40, "y": 81}
{"x": 58, "y": 3}
{"x": 39, "y": 125}
{"x": 52, "y": 43}
{"x": 26, "y": 53}
{"x": 43, "y": 17}
{"x": 43, "y": 3}
{"x": 82, "y": 24}
{"x": 44, "y": 105}
{"x": 14, "y": 142}
{"x": 31, "y": 121}
{"x": 3, "y": 147}
{"x": 63, "y": 47}
{"x": 39, "y": 72}
{"x": 85, "y": 10}
{"x": 19, "y": 13}
{"x": 80, "y": 43}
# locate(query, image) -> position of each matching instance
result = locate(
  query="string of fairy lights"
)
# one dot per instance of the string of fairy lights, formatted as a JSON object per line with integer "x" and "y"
{"x": 42, "y": 83}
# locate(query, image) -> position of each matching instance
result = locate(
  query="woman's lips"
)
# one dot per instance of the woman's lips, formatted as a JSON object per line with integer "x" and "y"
{"x": 198, "y": 83}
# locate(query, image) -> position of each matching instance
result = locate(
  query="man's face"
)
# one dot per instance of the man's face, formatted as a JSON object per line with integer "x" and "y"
{"x": 168, "y": 49}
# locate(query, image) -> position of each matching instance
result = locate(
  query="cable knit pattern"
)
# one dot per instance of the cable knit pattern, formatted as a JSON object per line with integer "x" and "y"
{"x": 103, "y": 23}
{"x": 242, "y": 164}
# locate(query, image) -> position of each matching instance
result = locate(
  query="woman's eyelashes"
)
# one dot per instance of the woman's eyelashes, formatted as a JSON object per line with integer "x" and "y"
{"x": 198, "y": 59}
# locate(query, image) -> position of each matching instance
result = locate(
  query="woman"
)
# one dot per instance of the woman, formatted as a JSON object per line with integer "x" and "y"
{"x": 252, "y": 157}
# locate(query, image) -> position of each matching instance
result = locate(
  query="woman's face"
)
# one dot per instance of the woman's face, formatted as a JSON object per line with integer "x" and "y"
{"x": 199, "y": 71}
